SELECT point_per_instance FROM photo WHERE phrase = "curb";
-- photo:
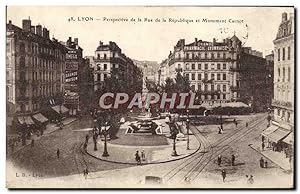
(286, 170)
(135, 164)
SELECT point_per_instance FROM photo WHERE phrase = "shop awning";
(59, 108)
(278, 134)
(269, 130)
(41, 118)
(28, 120)
(21, 120)
(289, 139)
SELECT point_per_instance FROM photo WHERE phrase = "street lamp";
(105, 153)
(188, 131)
(174, 134)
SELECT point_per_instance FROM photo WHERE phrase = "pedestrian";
(223, 175)
(87, 138)
(263, 146)
(219, 160)
(266, 164)
(57, 153)
(220, 130)
(32, 143)
(84, 174)
(137, 157)
(251, 180)
(246, 124)
(143, 155)
(232, 159)
(85, 147)
(261, 162)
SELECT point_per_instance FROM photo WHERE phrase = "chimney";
(38, 30)
(196, 41)
(44, 32)
(284, 16)
(32, 29)
(76, 41)
(9, 24)
(214, 40)
(26, 24)
(100, 43)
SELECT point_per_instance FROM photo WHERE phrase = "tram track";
(194, 165)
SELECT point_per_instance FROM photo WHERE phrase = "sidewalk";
(50, 128)
(277, 158)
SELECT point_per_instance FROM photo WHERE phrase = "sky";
(153, 41)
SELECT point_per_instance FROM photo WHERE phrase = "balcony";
(282, 104)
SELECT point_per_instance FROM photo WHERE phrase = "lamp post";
(105, 153)
(174, 134)
(188, 131)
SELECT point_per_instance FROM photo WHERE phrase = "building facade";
(280, 133)
(217, 71)
(109, 60)
(35, 67)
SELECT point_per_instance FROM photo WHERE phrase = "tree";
(182, 84)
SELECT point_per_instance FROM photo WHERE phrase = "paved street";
(200, 169)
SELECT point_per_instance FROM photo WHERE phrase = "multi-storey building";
(109, 60)
(219, 71)
(74, 65)
(35, 67)
(280, 133)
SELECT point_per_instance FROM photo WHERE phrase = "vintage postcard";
(150, 97)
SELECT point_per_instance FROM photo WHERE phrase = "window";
(199, 76)
(98, 56)
(98, 68)
(193, 87)
(199, 65)
(187, 76)
(98, 77)
(212, 55)
(186, 55)
(206, 76)
(193, 76)
(283, 54)
(283, 74)
(278, 74)
(22, 48)
(289, 53)
(289, 74)
(193, 66)
(224, 88)
(104, 56)
(105, 76)
(218, 87)
(205, 55)
(218, 66)
(213, 76)
(114, 54)
(218, 76)
(212, 87)
(278, 53)
(224, 76)
(193, 56)
(205, 66)
(224, 96)
(218, 55)
(205, 87)
(224, 56)
(199, 86)
(224, 66)
(105, 66)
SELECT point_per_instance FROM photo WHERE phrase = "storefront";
(41, 122)
(273, 137)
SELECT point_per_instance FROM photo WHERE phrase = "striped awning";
(278, 135)
(39, 117)
(289, 139)
(269, 130)
(25, 120)
(59, 108)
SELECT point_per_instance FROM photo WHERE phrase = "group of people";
(263, 163)
(219, 160)
(139, 158)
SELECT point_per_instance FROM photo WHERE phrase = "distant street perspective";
(214, 113)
